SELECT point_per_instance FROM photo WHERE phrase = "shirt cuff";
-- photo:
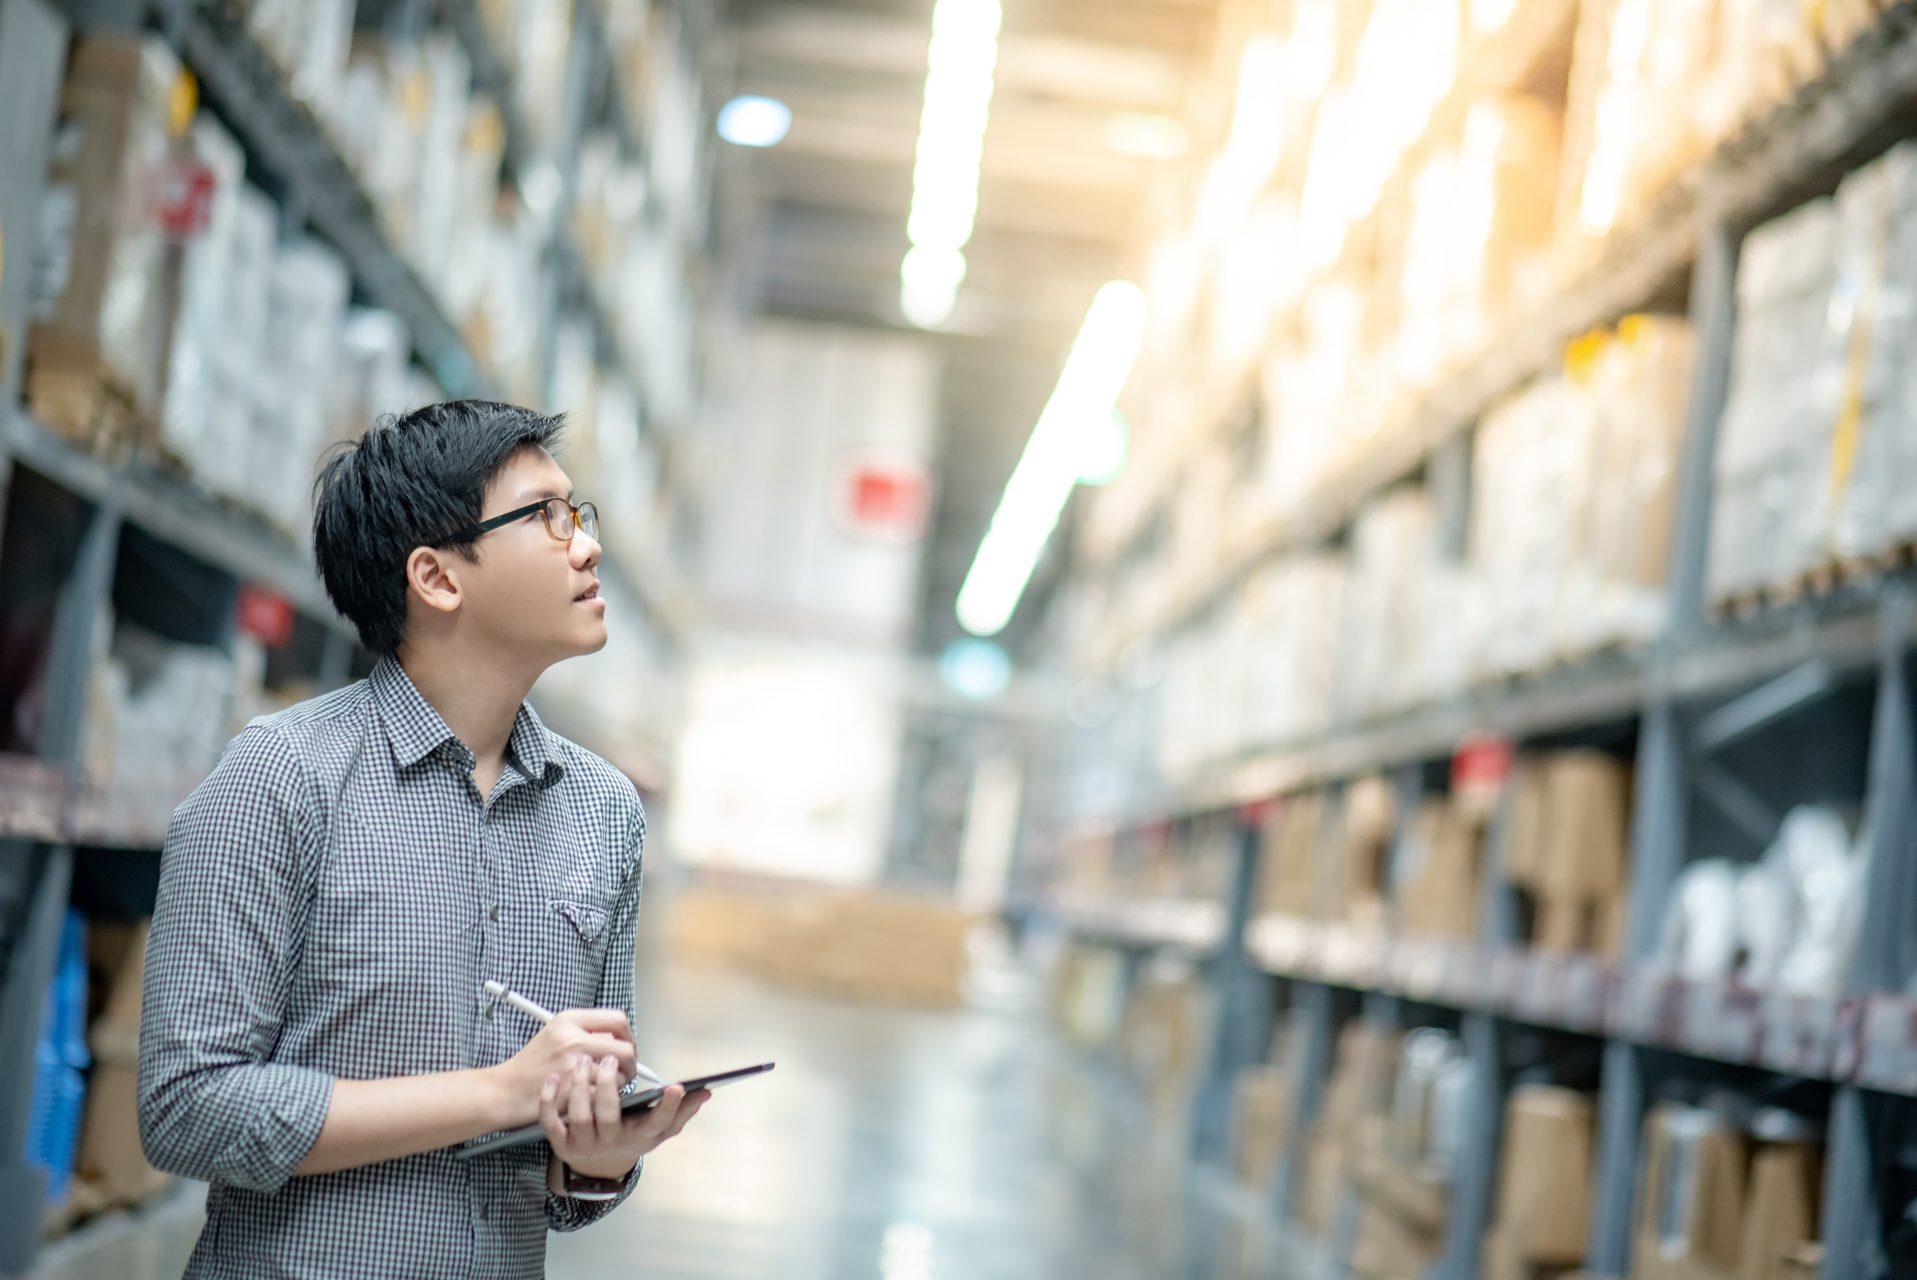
(295, 1101)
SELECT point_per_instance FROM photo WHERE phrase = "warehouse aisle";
(891, 1144)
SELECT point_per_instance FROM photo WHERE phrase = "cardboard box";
(1690, 1197)
(1264, 1114)
(1370, 820)
(1438, 895)
(116, 963)
(864, 945)
(1327, 1166)
(111, 1161)
(1289, 862)
(1588, 798)
(1388, 1247)
(100, 303)
(1780, 1214)
(1545, 1176)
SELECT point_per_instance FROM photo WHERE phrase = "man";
(314, 1039)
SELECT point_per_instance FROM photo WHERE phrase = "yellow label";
(1634, 330)
(183, 103)
(1581, 355)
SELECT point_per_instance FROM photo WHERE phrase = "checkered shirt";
(331, 899)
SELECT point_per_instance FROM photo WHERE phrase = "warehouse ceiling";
(815, 227)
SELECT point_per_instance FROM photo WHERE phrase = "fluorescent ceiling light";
(751, 121)
(1056, 456)
(958, 100)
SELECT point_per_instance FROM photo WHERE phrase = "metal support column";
(27, 973)
(1241, 1016)
(33, 42)
(1852, 1216)
(1312, 1028)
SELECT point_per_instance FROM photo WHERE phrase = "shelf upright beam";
(1859, 1131)
(1311, 1024)
(1475, 1179)
(1241, 1007)
(48, 873)
(1659, 819)
(33, 41)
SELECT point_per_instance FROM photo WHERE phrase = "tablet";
(638, 1100)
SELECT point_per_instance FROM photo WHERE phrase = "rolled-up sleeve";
(212, 1104)
(564, 1213)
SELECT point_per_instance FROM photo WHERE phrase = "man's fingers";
(606, 1046)
(549, 1115)
(610, 1021)
(690, 1109)
(605, 1097)
(579, 1105)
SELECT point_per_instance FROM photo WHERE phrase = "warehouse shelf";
(252, 97)
(1812, 1036)
(1797, 148)
(175, 511)
(1188, 924)
(1607, 687)
(1488, 64)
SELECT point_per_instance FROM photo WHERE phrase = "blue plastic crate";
(65, 1026)
(53, 1127)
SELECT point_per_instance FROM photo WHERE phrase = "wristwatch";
(580, 1187)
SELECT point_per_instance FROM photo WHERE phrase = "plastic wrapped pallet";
(1873, 468)
(305, 319)
(441, 157)
(1480, 221)
(194, 382)
(1387, 607)
(99, 303)
(1786, 393)
(228, 444)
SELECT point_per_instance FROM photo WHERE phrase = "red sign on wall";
(884, 499)
(265, 615)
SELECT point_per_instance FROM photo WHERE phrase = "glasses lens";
(589, 520)
(559, 519)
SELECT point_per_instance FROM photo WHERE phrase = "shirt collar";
(416, 729)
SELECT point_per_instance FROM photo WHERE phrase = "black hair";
(418, 480)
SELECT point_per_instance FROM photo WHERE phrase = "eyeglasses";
(561, 518)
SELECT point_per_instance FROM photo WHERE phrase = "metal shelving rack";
(1700, 689)
(46, 828)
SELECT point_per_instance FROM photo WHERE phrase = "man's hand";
(572, 1037)
(579, 1111)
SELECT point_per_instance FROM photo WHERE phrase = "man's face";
(531, 594)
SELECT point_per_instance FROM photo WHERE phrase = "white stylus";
(500, 991)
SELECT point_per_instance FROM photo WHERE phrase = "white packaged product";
(1700, 935)
(194, 377)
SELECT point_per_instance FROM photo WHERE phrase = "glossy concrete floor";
(889, 1144)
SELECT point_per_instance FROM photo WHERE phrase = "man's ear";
(432, 575)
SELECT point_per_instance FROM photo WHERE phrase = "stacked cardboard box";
(1404, 1157)
(864, 945)
(1362, 857)
(1263, 1117)
(1357, 1091)
(1572, 502)
(1439, 877)
(1568, 848)
(1542, 1222)
(112, 1168)
(1815, 456)
(1291, 861)
(97, 350)
(1161, 1039)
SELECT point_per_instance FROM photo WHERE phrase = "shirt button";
(485, 1212)
(492, 911)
